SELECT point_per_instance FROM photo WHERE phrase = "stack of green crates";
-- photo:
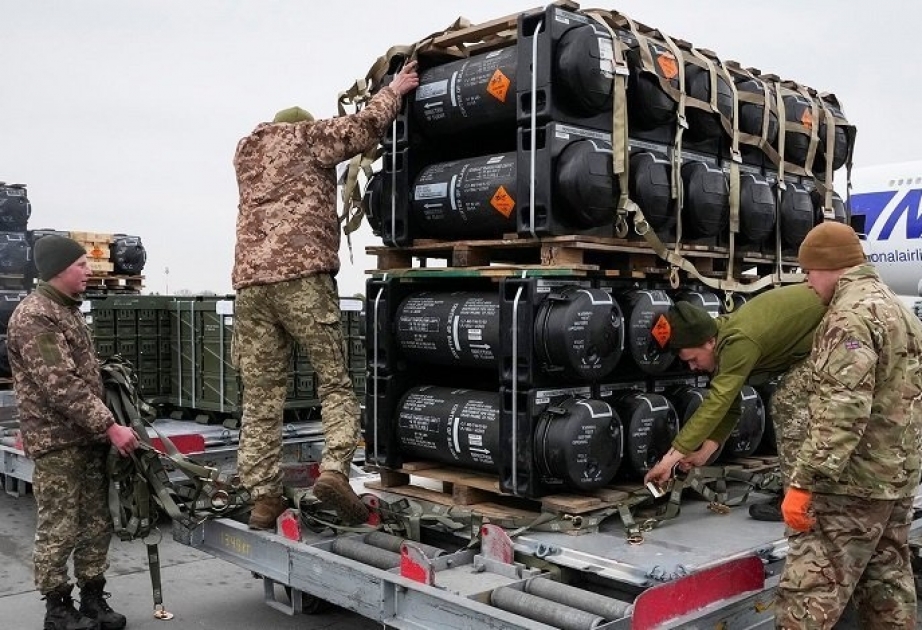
(137, 328)
(181, 350)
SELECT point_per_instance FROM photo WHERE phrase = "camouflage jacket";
(866, 406)
(287, 226)
(55, 374)
(765, 337)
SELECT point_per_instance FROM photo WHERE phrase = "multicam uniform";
(286, 257)
(64, 420)
(770, 334)
(861, 462)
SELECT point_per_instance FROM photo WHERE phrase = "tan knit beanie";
(830, 245)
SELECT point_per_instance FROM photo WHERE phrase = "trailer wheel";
(310, 605)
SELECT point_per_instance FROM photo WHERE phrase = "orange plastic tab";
(502, 202)
(807, 119)
(668, 65)
(661, 331)
(499, 85)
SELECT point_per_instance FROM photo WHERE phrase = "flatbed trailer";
(700, 570)
(213, 445)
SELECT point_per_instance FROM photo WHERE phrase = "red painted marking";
(414, 565)
(671, 600)
(185, 444)
(289, 526)
(496, 544)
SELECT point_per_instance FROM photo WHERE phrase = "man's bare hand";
(700, 457)
(123, 438)
(406, 80)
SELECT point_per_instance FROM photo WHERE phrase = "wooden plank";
(422, 465)
(391, 478)
(466, 495)
(575, 504)
(99, 267)
(493, 271)
(415, 492)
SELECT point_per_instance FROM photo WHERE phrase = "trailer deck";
(701, 569)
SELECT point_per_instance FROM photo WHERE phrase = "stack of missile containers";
(560, 378)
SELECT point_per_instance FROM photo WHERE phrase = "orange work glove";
(794, 509)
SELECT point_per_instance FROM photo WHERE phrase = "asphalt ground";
(202, 592)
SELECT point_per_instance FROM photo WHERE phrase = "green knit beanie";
(690, 326)
(54, 253)
(293, 115)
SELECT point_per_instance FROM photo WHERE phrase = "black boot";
(60, 613)
(768, 511)
(93, 604)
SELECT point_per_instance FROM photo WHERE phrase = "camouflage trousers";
(71, 494)
(857, 549)
(268, 320)
(790, 415)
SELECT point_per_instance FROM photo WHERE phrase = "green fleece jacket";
(765, 337)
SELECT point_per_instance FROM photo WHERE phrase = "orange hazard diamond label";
(498, 85)
(806, 119)
(661, 331)
(668, 65)
(502, 202)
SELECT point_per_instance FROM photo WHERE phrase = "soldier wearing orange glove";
(849, 503)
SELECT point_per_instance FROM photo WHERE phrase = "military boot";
(332, 488)
(266, 511)
(768, 511)
(60, 613)
(93, 604)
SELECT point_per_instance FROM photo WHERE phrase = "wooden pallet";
(756, 463)
(578, 254)
(472, 488)
(115, 284)
(6, 383)
(96, 245)
(100, 267)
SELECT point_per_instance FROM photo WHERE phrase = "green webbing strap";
(715, 483)
(782, 185)
(153, 564)
(620, 147)
(680, 262)
(359, 94)
(130, 505)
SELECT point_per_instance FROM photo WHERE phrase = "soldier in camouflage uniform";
(849, 506)
(769, 335)
(286, 259)
(66, 430)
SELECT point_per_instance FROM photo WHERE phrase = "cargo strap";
(361, 92)
(722, 486)
(620, 147)
(139, 484)
(611, 20)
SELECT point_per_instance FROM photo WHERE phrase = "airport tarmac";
(202, 592)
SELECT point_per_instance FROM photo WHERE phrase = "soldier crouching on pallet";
(285, 263)
(769, 335)
(66, 430)
(849, 504)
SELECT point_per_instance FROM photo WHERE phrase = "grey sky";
(122, 116)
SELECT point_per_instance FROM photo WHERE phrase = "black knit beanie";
(53, 254)
(690, 326)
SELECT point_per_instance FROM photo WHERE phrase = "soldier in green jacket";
(849, 504)
(769, 335)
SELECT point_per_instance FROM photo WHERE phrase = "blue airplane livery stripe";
(872, 205)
